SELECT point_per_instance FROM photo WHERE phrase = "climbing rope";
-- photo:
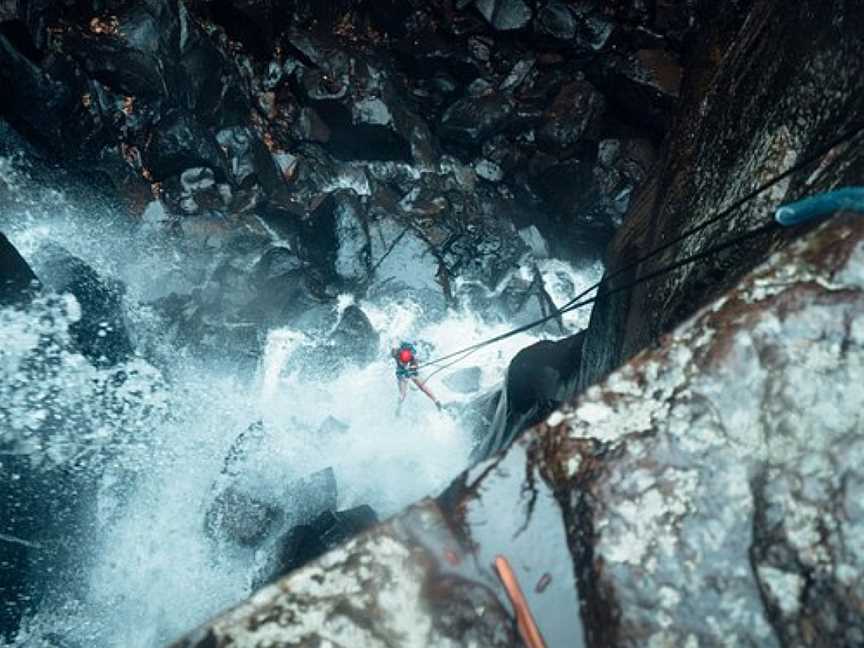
(838, 200)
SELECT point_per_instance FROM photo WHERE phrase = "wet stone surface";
(404, 583)
(710, 487)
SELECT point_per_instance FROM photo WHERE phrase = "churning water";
(143, 571)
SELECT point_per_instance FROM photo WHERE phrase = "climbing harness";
(787, 216)
(405, 355)
(528, 629)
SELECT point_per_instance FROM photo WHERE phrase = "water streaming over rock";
(143, 444)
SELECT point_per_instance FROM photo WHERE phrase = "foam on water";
(150, 573)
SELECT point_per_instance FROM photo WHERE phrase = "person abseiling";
(406, 369)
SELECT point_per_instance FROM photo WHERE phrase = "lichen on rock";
(716, 506)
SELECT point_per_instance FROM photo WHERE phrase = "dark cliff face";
(756, 100)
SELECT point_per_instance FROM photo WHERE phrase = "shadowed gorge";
(220, 220)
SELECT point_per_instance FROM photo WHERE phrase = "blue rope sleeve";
(824, 204)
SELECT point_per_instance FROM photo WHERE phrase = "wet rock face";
(505, 15)
(100, 333)
(736, 134)
(539, 378)
(354, 338)
(710, 487)
(397, 574)
(17, 280)
(306, 542)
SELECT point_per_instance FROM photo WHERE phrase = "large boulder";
(539, 378)
(575, 114)
(403, 260)
(646, 84)
(247, 518)
(308, 541)
(473, 119)
(583, 26)
(353, 259)
(210, 85)
(47, 101)
(712, 485)
(249, 161)
(100, 333)
(372, 121)
(355, 339)
(129, 51)
(240, 517)
(401, 574)
(181, 142)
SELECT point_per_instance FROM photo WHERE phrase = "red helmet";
(405, 356)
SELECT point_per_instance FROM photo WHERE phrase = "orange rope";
(524, 619)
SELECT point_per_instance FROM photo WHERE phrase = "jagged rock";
(373, 121)
(249, 161)
(240, 517)
(47, 102)
(480, 49)
(179, 143)
(305, 499)
(464, 381)
(488, 170)
(473, 119)
(505, 15)
(249, 519)
(129, 50)
(621, 167)
(720, 458)
(535, 241)
(518, 75)
(276, 262)
(311, 127)
(539, 378)
(101, 332)
(353, 260)
(574, 115)
(555, 18)
(200, 192)
(405, 560)
(569, 188)
(307, 542)
(525, 299)
(17, 280)
(355, 339)
(212, 89)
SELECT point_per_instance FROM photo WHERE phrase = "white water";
(149, 573)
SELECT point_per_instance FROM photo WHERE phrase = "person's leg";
(427, 391)
(403, 390)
